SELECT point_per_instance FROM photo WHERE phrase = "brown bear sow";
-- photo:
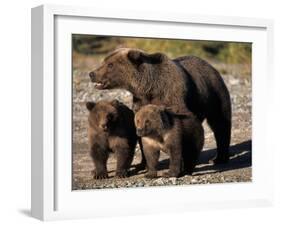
(111, 129)
(180, 136)
(186, 83)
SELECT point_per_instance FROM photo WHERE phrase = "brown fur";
(181, 136)
(111, 129)
(183, 84)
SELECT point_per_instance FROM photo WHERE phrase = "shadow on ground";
(240, 157)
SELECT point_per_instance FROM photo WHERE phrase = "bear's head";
(103, 114)
(124, 68)
(152, 120)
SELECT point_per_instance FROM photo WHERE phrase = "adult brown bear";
(184, 83)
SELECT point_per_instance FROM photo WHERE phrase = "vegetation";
(230, 53)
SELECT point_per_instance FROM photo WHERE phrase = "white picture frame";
(52, 197)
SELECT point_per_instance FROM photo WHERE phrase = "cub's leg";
(173, 146)
(124, 160)
(175, 153)
(99, 155)
(142, 164)
(137, 103)
(190, 158)
(152, 156)
(124, 155)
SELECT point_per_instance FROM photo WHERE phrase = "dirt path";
(237, 170)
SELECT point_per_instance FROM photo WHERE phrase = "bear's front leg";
(99, 156)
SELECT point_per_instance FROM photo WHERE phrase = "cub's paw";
(151, 174)
(99, 175)
(122, 174)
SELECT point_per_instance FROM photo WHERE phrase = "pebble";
(193, 180)
(140, 184)
(173, 180)
(159, 181)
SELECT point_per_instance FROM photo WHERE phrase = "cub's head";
(123, 67)
(103, 114)
(152, 120)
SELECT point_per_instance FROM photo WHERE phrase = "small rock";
(159, 181)
(193, 180)
(140, 184)
(173, 180)
(234, 81)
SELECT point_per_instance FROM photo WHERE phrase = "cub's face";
(149, 120)
(103, 114)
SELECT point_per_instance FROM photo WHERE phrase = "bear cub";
(181, 136)
(111, 129)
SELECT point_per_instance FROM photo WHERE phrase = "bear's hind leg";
(221, 127)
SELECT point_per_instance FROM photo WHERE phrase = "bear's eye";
(110, 65)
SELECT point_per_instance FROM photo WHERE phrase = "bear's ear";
(135, 57)
(155, 58)
(90, 105)
(138, 57)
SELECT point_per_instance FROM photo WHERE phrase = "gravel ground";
(237, 170)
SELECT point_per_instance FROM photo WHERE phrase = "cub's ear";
(166, 117)
(90, 105)
(138, 57)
